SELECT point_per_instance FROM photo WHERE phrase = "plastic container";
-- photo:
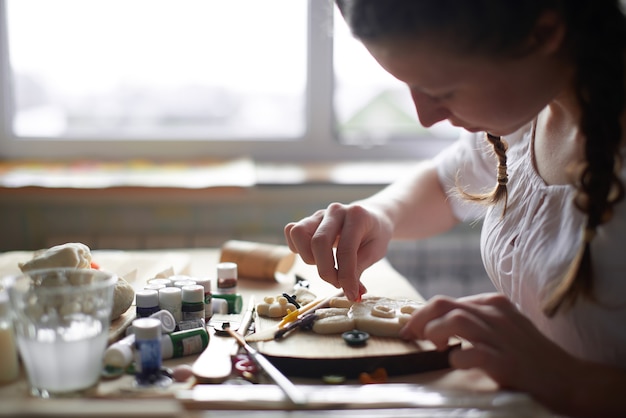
(219, 306)
(227, 287)
(192, 307)
(121, 353)
(168, 323)
(227, 278)
(147, 350)
(184, 343)
(154, 286)
(180, 281)
(160, 280)
(170, 299)
(234, 301)
(147, 302)
(205, 282)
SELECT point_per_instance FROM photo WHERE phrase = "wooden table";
(439, 393)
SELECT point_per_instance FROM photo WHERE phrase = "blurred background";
(123, 121)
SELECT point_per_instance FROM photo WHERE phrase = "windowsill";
(201, 175)
(367, 173)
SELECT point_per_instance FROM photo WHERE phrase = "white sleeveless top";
(537, 239)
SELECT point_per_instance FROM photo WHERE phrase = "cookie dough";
(333, 324)
(382, 317)
(72, 254)
(275, 307)
(123, 295)
(78, 255)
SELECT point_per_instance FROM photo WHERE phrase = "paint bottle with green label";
(227, 287)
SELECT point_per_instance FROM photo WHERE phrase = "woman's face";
(473, 92)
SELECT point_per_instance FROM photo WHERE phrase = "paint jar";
(120, 354)
(205, 282)
(9, 365)
(160, 280)
(180, 281)
(168, 323)
(154, 286)
(227, 278)
(184, 343)
(227, 287)
(147, 302)
(170, 299)
(192, 307)
(219, 306)
(148, 353)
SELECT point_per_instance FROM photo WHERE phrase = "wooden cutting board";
(307, 354)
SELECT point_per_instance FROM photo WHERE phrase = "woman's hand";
(504, 343)
(414, 206)
(360, 236)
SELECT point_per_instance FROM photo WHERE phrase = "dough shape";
(381, 317)
(275, 307)
(333, 324)
(78, 255)
(123, 295)
(72, 254)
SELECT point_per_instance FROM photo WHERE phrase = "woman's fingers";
(477, 355)
(458, 322)
(435, 308)
(360, 239)
(324, 239)
(356, 250)
(479, 319)
(505, 344)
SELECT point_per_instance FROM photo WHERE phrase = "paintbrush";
(295, 395)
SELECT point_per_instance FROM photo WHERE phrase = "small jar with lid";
(170, 299)
(227, 287)
(154, 286)
(181, 280)
(227, 278)
(147, 302)
(148, 359)
(205, 282)
(192, 307)
(160, 280)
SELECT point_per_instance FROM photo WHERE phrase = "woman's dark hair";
(595, 40)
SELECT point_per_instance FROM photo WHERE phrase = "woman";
(539, 87)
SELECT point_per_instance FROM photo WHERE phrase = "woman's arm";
(416, 205)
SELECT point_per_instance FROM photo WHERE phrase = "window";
(197, 78)
(371, 106)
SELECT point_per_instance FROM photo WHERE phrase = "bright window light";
(371, 106)
(275, 80)
(145, 69)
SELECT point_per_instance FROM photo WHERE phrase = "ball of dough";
(123, 295)
(275, 307)
(72, 254)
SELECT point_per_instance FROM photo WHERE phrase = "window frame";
(320, 141)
